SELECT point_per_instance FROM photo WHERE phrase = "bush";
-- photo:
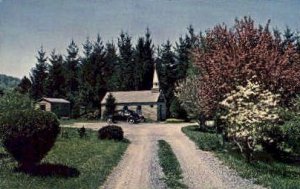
(29, 135)
(177, 110)
(111, 132)
(93, 115)
(82, 132)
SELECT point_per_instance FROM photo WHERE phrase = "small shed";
(59, 106)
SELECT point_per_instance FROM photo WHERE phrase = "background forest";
(121, 66)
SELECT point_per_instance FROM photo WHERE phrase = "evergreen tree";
(101, 71)
(182, 51)
(39, 76)
(56, 83)
(146, 56)
(86, 93)
(126, 62)
(24, 86)
(139, 64)
(94, 74)
(72, 68)
(87, 48)
(111, 58)
(166, 69)
(110, 106)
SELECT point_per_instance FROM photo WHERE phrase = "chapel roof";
(133, 96)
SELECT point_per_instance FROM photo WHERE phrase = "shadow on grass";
(51, 170)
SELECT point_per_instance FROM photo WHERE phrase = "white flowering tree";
(249, 110)
(187, 94)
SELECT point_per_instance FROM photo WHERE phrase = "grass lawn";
(170, 165)
(273, 174)
(82, 163)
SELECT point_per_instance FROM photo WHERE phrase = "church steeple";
(155, 85)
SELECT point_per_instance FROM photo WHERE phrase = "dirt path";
(139, 168)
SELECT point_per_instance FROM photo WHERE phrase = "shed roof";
(55, 100)
(133, 96)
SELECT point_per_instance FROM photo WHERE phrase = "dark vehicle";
(126, 115)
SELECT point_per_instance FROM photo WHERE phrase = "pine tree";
(126, 61)
(56, 82)
(139, 54)
(72, 70)
(87, 48)
(111, 58)
(148, 62)
(24, 86)
(182, 51)
(166, 69)
(39, 76)
(101, 71)
(86, 92)
(72, 67)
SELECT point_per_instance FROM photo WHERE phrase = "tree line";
(123, 66)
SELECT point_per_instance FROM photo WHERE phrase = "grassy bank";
(72, 163)
(170, 165)
(272, 174)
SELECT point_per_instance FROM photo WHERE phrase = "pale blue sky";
(26, 24)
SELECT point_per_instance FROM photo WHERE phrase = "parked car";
(126, 115)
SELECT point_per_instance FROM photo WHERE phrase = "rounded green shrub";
(28, 135)
(111, 132)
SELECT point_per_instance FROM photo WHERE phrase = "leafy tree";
(188, 96)
(233, 56)
(56, 82)
(39, 76)
(24, 86)
(12, 101)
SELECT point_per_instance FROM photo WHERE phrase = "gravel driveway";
(139, 168)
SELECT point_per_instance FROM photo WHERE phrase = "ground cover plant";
(72, 163)
(265, 171)
(170, 165)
